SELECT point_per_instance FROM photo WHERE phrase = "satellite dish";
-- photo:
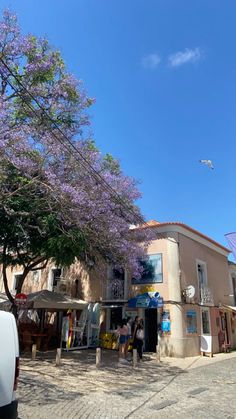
(190, 291)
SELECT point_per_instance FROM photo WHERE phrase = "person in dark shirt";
(138, 337)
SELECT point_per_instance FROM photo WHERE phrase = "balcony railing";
(114, 289)
(61, 285)
(206, 297)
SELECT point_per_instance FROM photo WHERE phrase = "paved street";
(194, 388)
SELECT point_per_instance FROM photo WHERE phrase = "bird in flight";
(208, 163)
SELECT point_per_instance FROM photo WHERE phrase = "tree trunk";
(7, 291)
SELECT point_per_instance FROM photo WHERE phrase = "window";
(118, 274)
(35, 276)
(191, 321)
(202, 278)
(55, 275)
(205, 322)
(234, 289)
(152, 270)
(115, 289)
(17, 278)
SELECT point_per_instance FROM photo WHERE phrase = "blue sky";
(163, 73)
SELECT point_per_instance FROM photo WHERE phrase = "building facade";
(185, 292)
(190, 273)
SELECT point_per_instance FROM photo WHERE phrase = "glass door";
(206, 338)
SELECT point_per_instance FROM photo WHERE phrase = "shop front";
(149, 306)
(111, 317)
(51, 320)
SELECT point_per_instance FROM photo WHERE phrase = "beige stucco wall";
(80, 282)
(217, 268)
(183, 253)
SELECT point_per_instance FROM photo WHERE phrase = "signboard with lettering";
(142, 301)
(20, 300)
(147, 300)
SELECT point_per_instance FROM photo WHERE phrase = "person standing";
(129, 336)
(139, 338)
(123, 336)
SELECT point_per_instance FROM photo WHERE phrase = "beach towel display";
(72, 332)
(65, 330)
(80, 329)
(95, 325)
(70, 329)
(88, 326)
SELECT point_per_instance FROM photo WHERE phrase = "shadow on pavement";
(42, 382)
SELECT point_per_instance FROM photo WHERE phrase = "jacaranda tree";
(59, 197)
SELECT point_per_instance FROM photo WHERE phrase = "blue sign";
(160, 302)
(147, 300)
(142, 301)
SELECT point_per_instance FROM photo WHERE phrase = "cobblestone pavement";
(193, 387)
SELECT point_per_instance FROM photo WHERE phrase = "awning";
(230, 308)
(49, 300)
(146, 300)
(3, 297)
(52, 300)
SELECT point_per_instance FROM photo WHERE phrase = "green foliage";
(111, 164)
(30, 227)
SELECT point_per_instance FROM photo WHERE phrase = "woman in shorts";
(123, 336)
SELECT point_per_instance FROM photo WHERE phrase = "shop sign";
(160, 302)
(20, 300)
(147, 300)
(142, 302)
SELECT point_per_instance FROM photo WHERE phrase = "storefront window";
(191, 321)
(116, 317)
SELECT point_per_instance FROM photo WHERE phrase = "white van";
(9, 365)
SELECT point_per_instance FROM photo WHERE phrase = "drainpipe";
(174, 286)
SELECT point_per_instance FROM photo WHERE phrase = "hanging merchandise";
(80, 329)
(70, 331)
(64, 331)
(88, 325)
(95, 325)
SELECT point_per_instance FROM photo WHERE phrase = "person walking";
(129, 336)
(139, 338)
(122, 331)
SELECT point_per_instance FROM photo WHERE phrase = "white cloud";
(151, 61)
(184, 57)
